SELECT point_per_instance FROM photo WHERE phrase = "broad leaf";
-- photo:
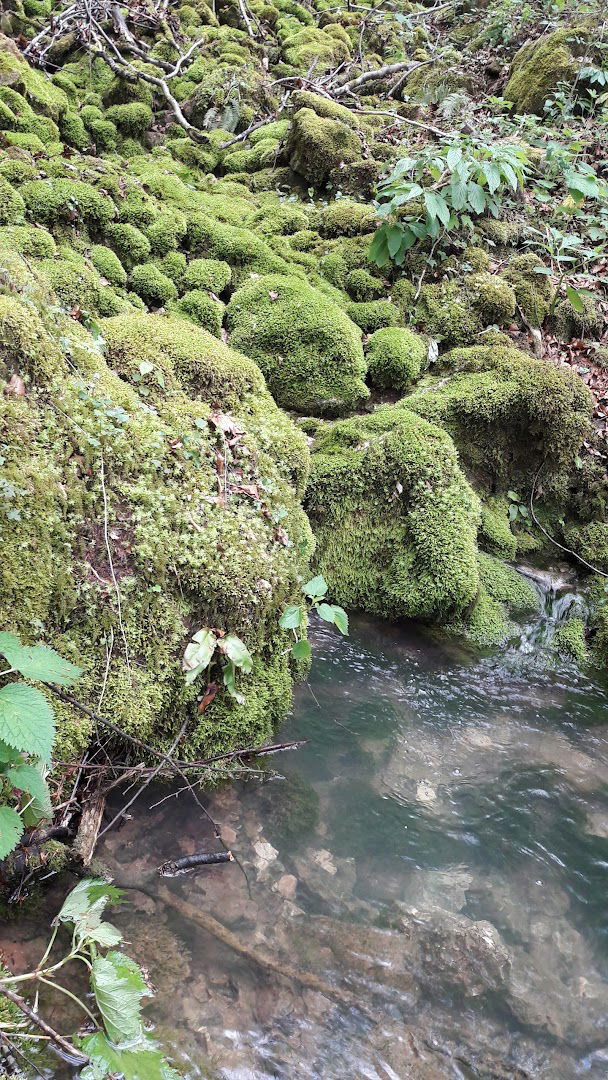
(291, 617)
(106, 935)
(229, 677)
(394, 236)
(575, 298)
(436, 206)
(301, 650)
(198, 654)
(237, 651)
(341, 620)
(476, 197)
(118, 985)
(29, 779)
(316, 588)
(11, 827)
(143, 1062)
(378, 250)
(85, 905)
(26, 720)
(326, 611)
(39, 662)
(8, 754)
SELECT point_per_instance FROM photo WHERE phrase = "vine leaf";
(26, 720)
(118, 985)
(11, 827)
(301, 650)
(38, 661)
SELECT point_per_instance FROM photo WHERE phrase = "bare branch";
(77, 1055)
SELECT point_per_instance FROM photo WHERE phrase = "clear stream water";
(438, 851)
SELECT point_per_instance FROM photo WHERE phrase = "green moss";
(27, 348)
(446, 314)
(49, 202)
(129, 243)
(173, 264)
(316, 145)
(24, 141)
(492, 297)
(362, 286)
(12, 207)
(279, 217)
(238, 247)
(74, 283)
(346, 218)
(38, 90)
(28, 240)
(590, 541)
(477, 258)
(132, 119)
(570, 640)
(506, 411)
(203, 310)
(166, 232)
(73, 131)
(394, 517)
(538, 68)
(328, 47)
(212, 274)
(487, 624)
(108, 265)
(395, 357)
(505, 585)
(495, 534)
(325, 107)
(16, 171)
(569, 323)
(532, 290)
(374, 314)
(501, 233)
(154, 287)
(308, 349)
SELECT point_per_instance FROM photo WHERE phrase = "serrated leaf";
(143, 1062)
(8, 754)
(29, 779)
(378, 250)
(39, 662)
(118, 985)
(436, 206)
(301, 650)
(84, 906)
(454, 156)
(341, 620)
(8, 641)
(237, 651)
(11, 827)
(326, 612)
(106, 935)
(476, 197)
(316, 588)
(26, 720)
(291, 617)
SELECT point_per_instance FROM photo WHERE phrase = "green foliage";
(441, 191)
(295, 616)
(228, 650)
(27, 730)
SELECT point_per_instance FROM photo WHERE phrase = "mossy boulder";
(395, 357)
(532, 286)
(394, 517)
(538, 68)
(308, 349)
(316, 145)
(570, 640)
(569, 323)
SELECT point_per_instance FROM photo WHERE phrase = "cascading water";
(559, 599)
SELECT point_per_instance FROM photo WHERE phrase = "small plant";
(212, 646)
(120, 1046)
(448, 186)
(27, 730)
(518, 511)
(294, 616)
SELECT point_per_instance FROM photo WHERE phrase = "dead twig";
(77, 1056)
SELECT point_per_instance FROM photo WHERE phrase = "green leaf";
(492, 174)
(237, 651)
(394, 236)
(301, 650)
(436, 207)
(476, 197)
(146, 367)
(29, 779)
(316, 588)
(291, 617)
(38, 662)
(341, 620)
(198, 654)
(118, 985)
(458, 194)
(326, 611)
(513, 496)
(513, 512)
(454, 157)
(11, 827)
(142, 1062)
(26, 720)
(378, 249)
(575, 298)
(8, 754)
(105, 935)
(229, 677)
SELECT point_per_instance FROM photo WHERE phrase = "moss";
(325, 107)
(212, 274)
(29, 241)
(27, 348)
(44, 96)
(487, 624)
(346, 218)
(292, 812)
(74, 283)
(73, 131)
(506, 411)
(173, 264)
(279, 217)
(166, 232)
(308, 349)
(12, 207)
(445, 313)
(362, 286)
(315, 145)
(477, 258)
(492, 297)
(374, 314)
(505, 585)
(108, 265)
(203, 310)
(238, 247)
(104, 134)
(538, 68)
(395, 357)
(569, 323)
(154, 287)
(570, 640)
(495, 534)
(394, 517)
(328, 47)
(49, 202)
(132, 119)
(590, 541)
(16, 171)
(129, 243)
(533, 290)
(501, 233)
(137, 209)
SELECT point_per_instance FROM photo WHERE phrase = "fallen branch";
(77, 1057)
(378, 74)
(175, 867)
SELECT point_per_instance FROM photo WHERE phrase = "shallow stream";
(437, 853)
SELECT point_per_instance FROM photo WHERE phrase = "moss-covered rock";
(395, 357)
(316, 145)
(128, 242)
(394, 517)
(203, 310)
(373, 314)
(569, 323)
(212, 274)
(107, 263)
(539, 67)
(154, 287)
(308, 349)
(570, 640)
(533, 290)
(57, 201)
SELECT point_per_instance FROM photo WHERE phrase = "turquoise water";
(436, 854)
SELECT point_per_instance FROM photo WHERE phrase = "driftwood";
(175, 867)
(88, 831)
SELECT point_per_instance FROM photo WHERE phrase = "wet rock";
(265, 856)
(325, 876)
(287, 886)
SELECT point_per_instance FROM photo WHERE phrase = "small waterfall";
(559, 600)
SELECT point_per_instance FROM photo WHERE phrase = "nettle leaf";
(237, 652)
(291, 618)
(26, 720)
(316, 588)
(198, 654)
(119, 986)
(454, 157)
(143, 1062)
(8, 754)
(38, 662)
(29, 779)
(341, 620)
(11, 827)
(85, 905)
(106, 935)
(301, 650)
